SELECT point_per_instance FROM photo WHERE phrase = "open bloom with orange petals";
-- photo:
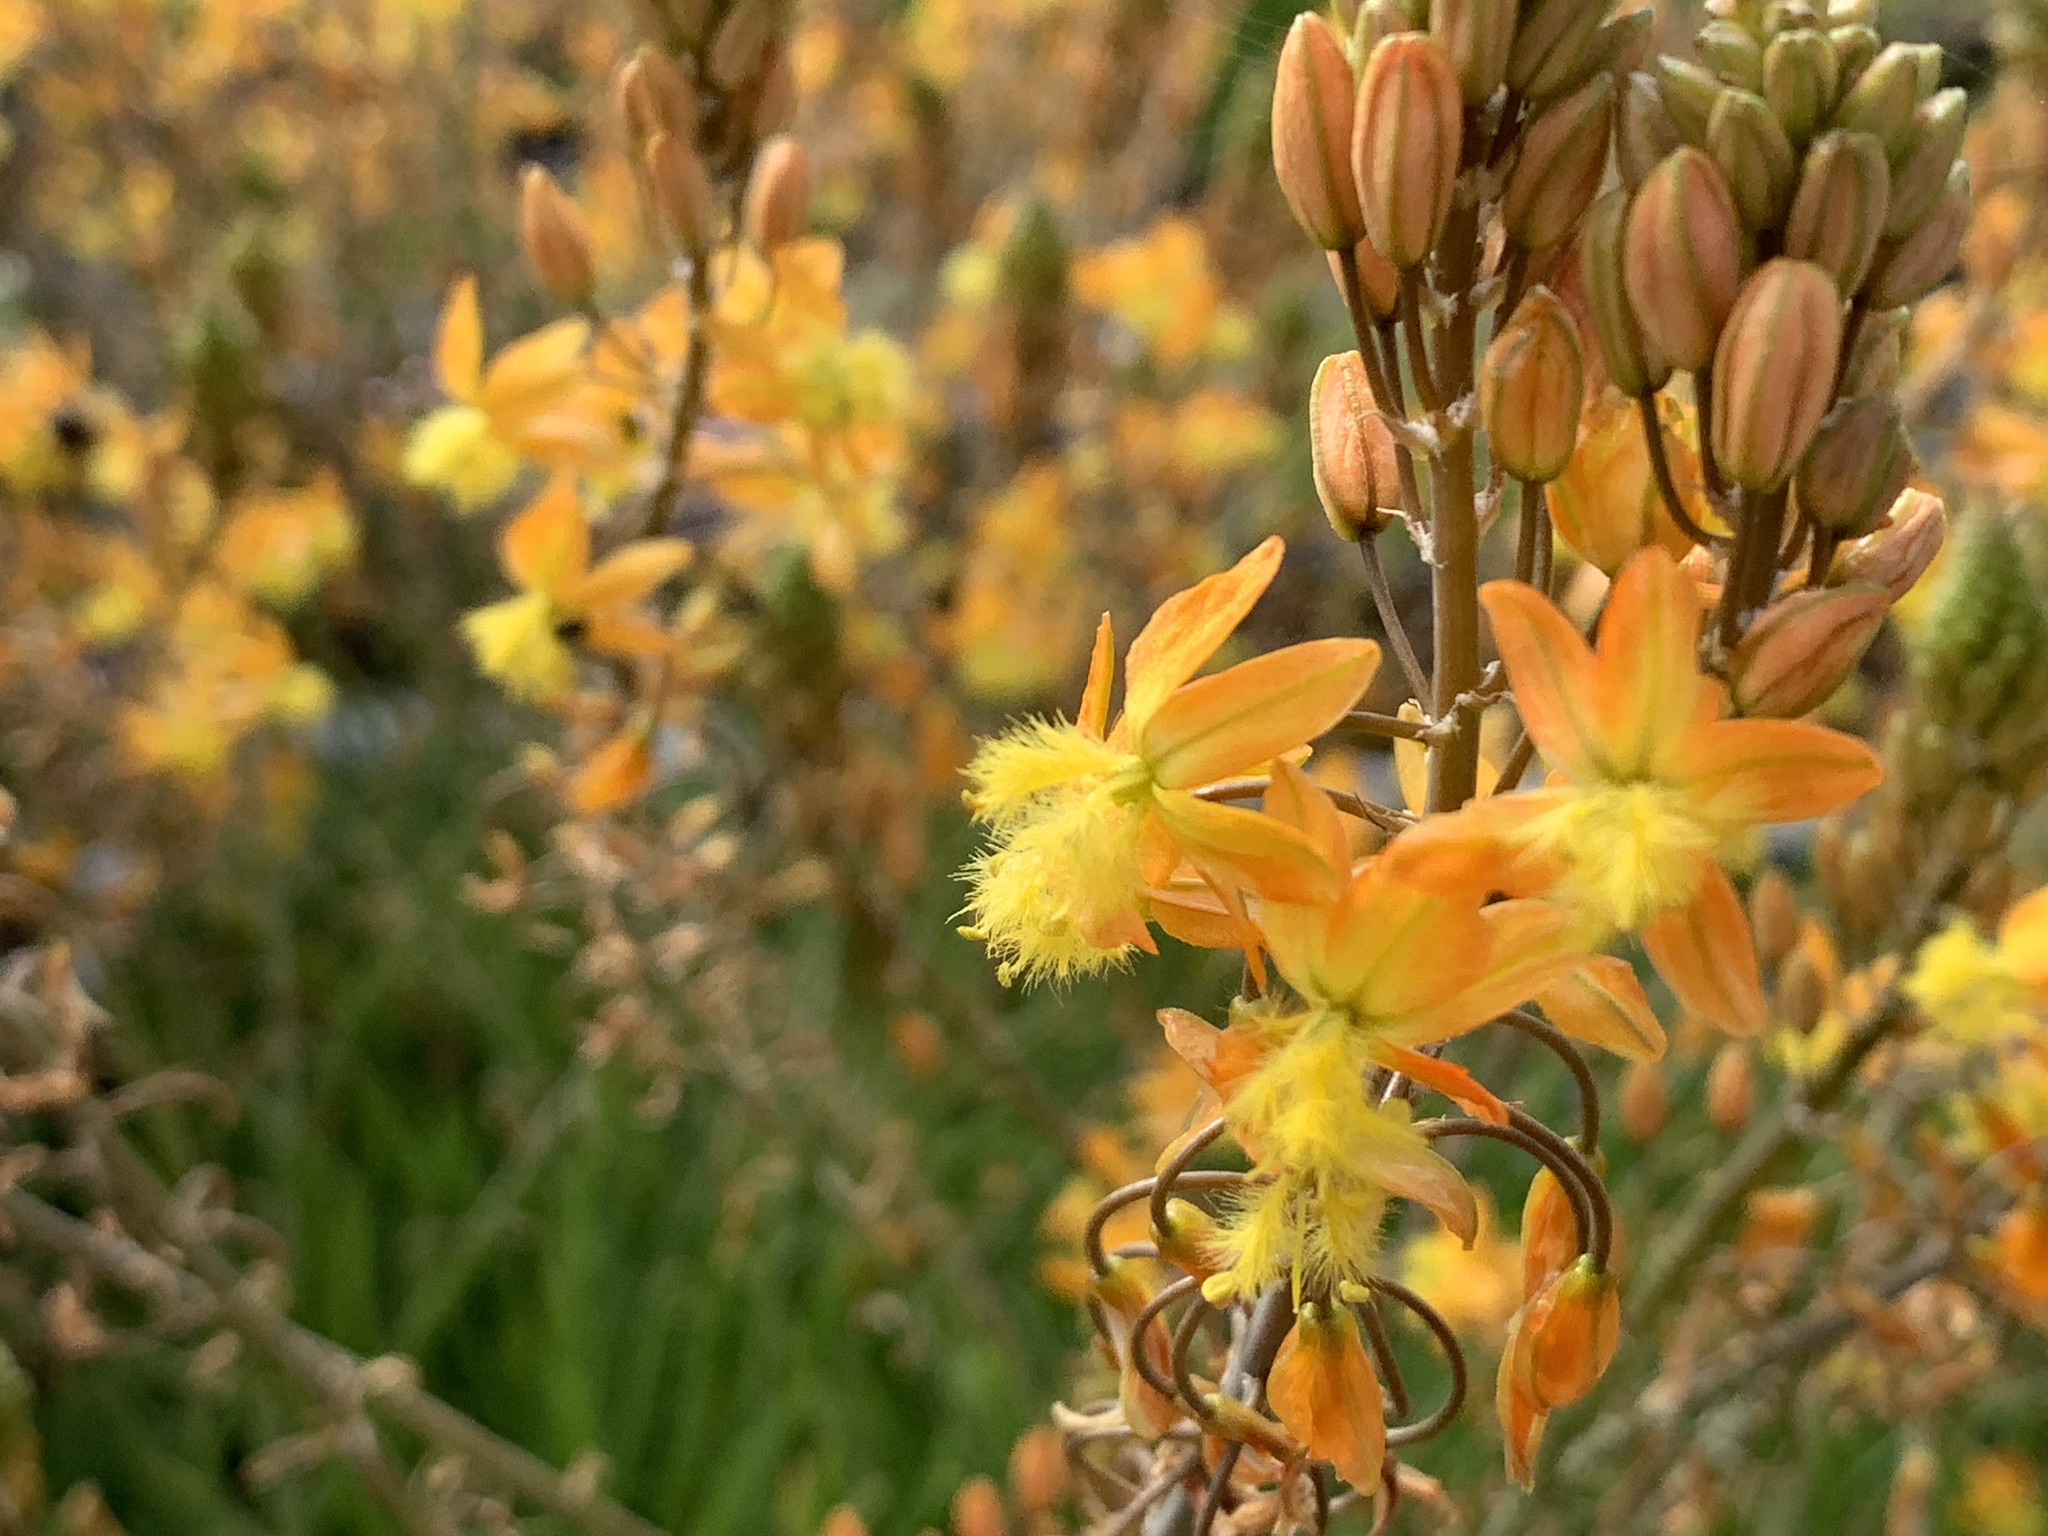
(1085, 817)
(1650, 786)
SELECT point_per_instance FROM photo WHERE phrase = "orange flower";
(1650, 786)
(1323, 1389)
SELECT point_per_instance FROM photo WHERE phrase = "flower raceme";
(1651, 788)
(1085, 817)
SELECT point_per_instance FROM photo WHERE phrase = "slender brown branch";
(1390, 620)
(1660, 469)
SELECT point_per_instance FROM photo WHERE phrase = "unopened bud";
(1550, 1232)
(1883, 99)
(1575, 1324)
(1853, 46)
(555, 238)
(1644, 133)
(1562, 160)
(1803, 647)
(682, 192)
(1774, 372)
(1914, 267)
(1754, 155)
(1312, 103)
(1896, 557)
(778, 194)
(1351, 449)
(1689, 96)
(1549, 41)
(1731, 1089)
(634, 105)
(1643, 1102)
(1777, 1218)
(1800, 80)
(1802, 995)
(1838, 214)
(1619, 47)
(1635, 366)
(1774, 919)
(1530, 385)
(1379, 284)
(1858, 465)
(1377, 19)
(1476, 34)
(740, 45)
(1405, 143)
(1193, 1239)
(1923, 170)
(1878, 359)
(775, 103)
(656, 96)
(1732, 54)
(1683, 258)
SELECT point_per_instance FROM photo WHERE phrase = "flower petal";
(2023, 939)
(1553, 673)
(1300, 802)
(534, 371)
(1703, 952)
(1405, 1165)
(1646, 678)
(1756, 771)
(1222, 1058)
(1446, 1077)
(1527, 945)
(547, 546)
(1244, 850)
(629, 573)
(1093, 716)
(1603, 1003)
(1188, 627)
(1477, 849)
(1322, 1387)
(459, 344)
(1220, 725)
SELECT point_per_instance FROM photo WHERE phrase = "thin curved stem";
(1386, 390)
(1170, 1175)
(1418, 342)
(1168, 1295)
(1383, 1357)
(1183, 1341)
(1660, 469)
(1550, 1036)
(1454, 1356)
(1390, 620)
(1141, 1189)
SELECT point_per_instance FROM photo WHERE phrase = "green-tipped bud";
(1883, 99)
(1619, 47)
(1921, 176)
(1878, 359)
(1786, 15)
(1799, 650)
(1754, 155)
(1774, 372)
(1912, 268)
(1405, 142)
(1732, 54)
(1854, 47)
(1838, 212)
(1635, 366)
(1313, 94)
(1530, 384)
(1683, 259)
(1549, 43)
(1562, 160)
(1193, 1240)
(1381, 18)
(1800, 81)
(1689, 96)
(1351, 450)
(1857, 467)
(1980, 654)
(1477, 35)
(1643, 132)
(1927, 61)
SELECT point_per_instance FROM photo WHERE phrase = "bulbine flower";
(1650, 786)
(1085, 816)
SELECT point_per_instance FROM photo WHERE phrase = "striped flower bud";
(1351, 449)
(740, 46)
(1732, 54)
(1883, 99)
(778, 201)
(662, 95)
(1923, 170)
(1643, 133)
(1683, 257)
(1378, 282)
(1562, 160)
(1619, 47)
(1312, 105)
(1879, 356)
(1912, 268)
(1549, 41)
(682, 192)
(1476, 34)
(1800, 79)
(1530, 385)
(1405, 142)
(1774, 372)
(1853, 46)
(555, 238)
(1803, 647)
(1838, 213)
(1898, 555)
(1754, 155)
(1859, 464)
(1633, 363)
(1689, 96)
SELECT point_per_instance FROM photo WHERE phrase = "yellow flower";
(279, 545)
(1977, 994)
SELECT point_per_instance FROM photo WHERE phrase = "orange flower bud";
(1636, 367)
(1643, 1101)
(1351, 449)
(1192, 1239)
(1689, 94)
(1731, 1089)
(1858, 465)
(1621, 46)
(1038, 1469)
(1312, 105)
(555, 238)
(977, 1509)
(1323, 1389)
(1562, 160)
(1896, 557)
(682, 192)
(1377, 280)
(778, 199)
(1644, 133)
(1732, 54)
(1800, 79)
(1774, 918)
(775, 102)
(1606, 504)
(1774, 372)
(1799, 650)
(656, 97)
(1530, 385)
(1838, 213)
(1550, 1232)
(1879, 356)
(633, 103)
(1477, 35)
(1405, 144)
(1884, 97)
(1550, 44)
(2018, 1250)
(740, 46)
(1923, 173)
(1522, 1418)
(1573, 1325)
(1777, 1218)
(1754, 155)
(1683, 258)
(1916, 266)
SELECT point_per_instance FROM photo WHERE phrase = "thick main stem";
(1454, 572)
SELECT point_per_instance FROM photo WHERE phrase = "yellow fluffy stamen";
(1635, 849)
